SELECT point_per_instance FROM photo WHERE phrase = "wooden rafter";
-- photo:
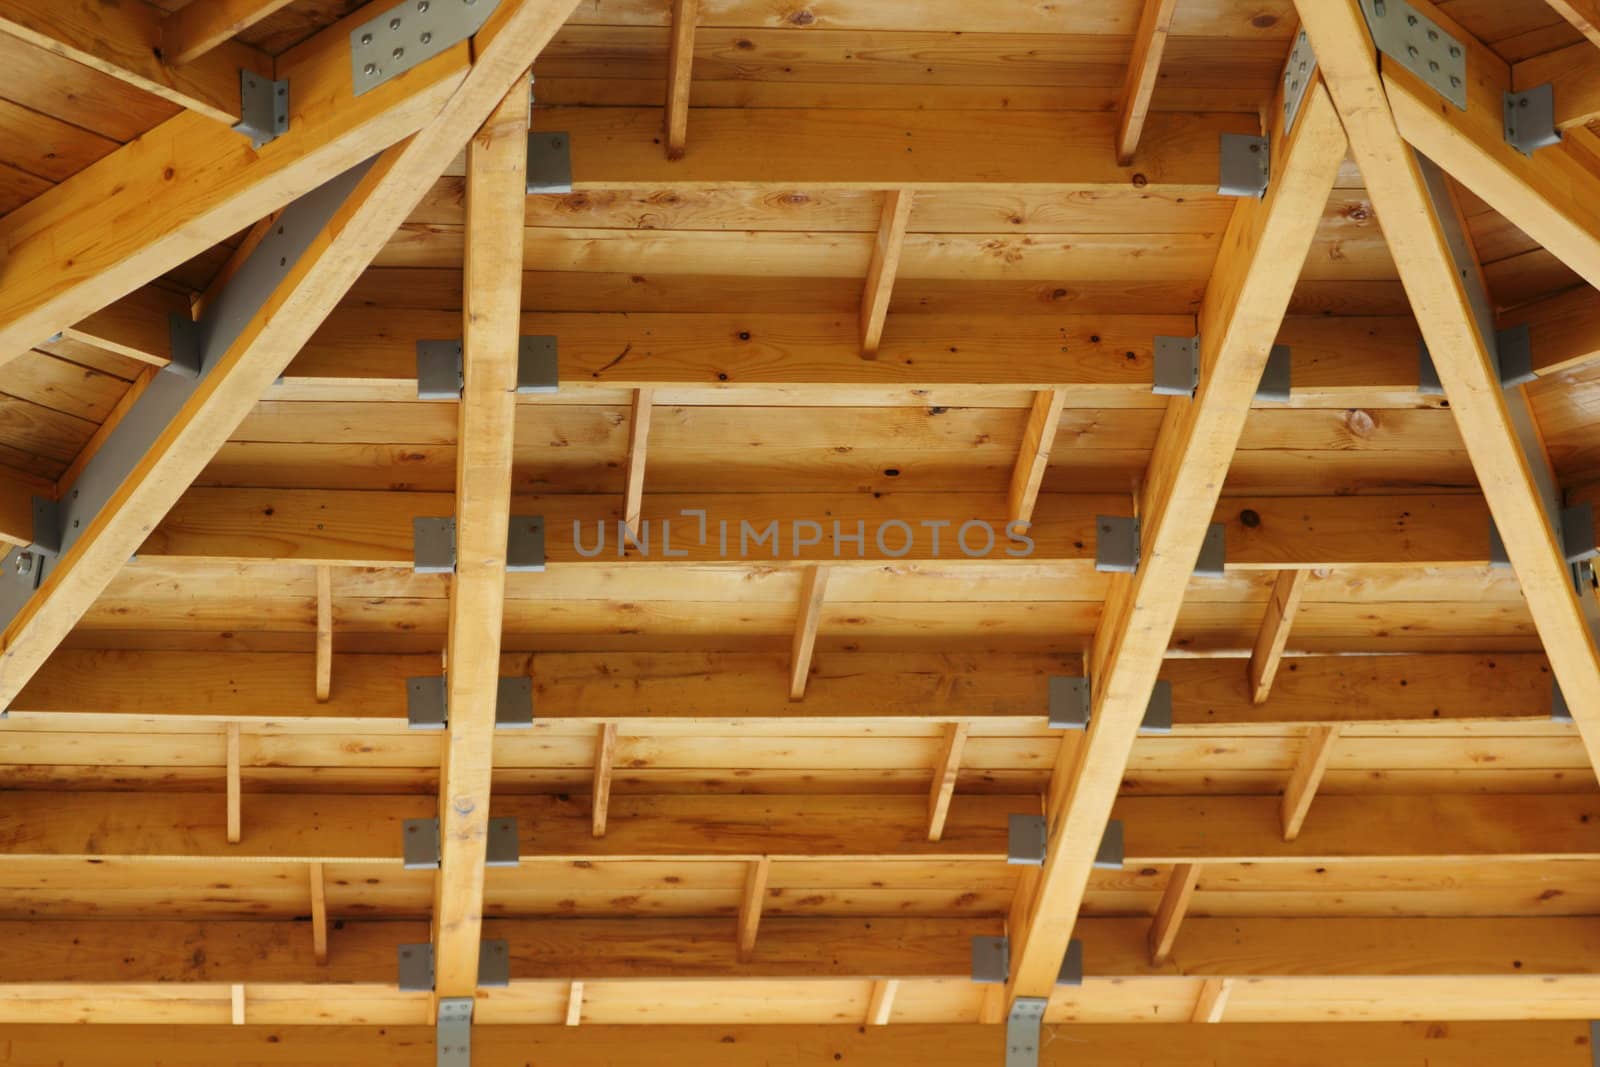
(1309, 766)
(1149, 42)
(497, 158)
(1172, 910)
(196, 29)
(638, 450)
(1244, 306)
(883, 266)
(331, 132)
(813, 590)
(1439, 288)
(1038, 438)
(680, 67)
(1584, 15)
(1273, 637)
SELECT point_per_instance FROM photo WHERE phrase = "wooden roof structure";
(808, 536)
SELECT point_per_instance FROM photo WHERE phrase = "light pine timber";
(496, 186)
(1172, 909)
(945, 774)
(1038, 438)
(1309, 767)
(638, 446)
(1467, 369)
(1242, 313)
(605, 754)
(885, 261)
(680, 67)
(1273, 636)
(1149, 42)
(196, 29)
(324, 680)
(750, 903)
(813, 590)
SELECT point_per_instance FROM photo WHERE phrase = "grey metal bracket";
(1427, 374)
(538, 368)
(1276, 376)
(549, 162)
(1559, 711)
(1530, 119)
(525, 544)
(513, 703)
(1594, 1043)
(415, 967)
(1177, 366)
(1420, 45)
(991, 960)
(1109, 856)
(1072, 965)
(409, 34)
(433, 545)
(439, 369)
(504, 848)
(453, 1032)
(1577, 533)
(427, 703)
(1116, 543)
(187, 339)
(1068, 703)
(225, 319)
(1026, 837)
(494, 964)
(1023, 1028)
(420, 848)
(1497, 547)
(263, 108)
(1213, 559)
(1513, 349)
(1245, 165)
(1298, 74)
(1158, 713)
(46, 525)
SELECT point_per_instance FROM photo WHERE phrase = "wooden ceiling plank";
(125, 41)
(1242, 313)
(309, 290)
(1273, 638)
(1149, 42)
(497, 159)
(324, 676)
(59, 268)
(680, 69)
(881, 269)
(1440, 290)
(199, 28)
(1038, 438)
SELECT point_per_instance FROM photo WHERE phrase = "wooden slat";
(813, 590)
(880, 1009)
(496, 184)
(680, 66)
(1464, 362)
(1037, 440)
(881, 268)
(1173, 908)
(638, 446)
(125, 41)
(1273, 637)
(1244, 306)
(319, 912)
(1213, 1000)
(575, 1004)
(196, 29)
(945, 773)
(1309, 767)
(1149, 42)
(750, 904)
(605, 754)
(235, 799)
(324, 681)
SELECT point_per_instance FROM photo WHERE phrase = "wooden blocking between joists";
(755, 892)
(638, 445)
(319, 913)
(575, 1003)
(1212, 1002)
(945, 774)
(1273, 636)
(605, 755)
(680, 68)
(881, 1005)
(235, 787)
(1038, 438)
(324, 682)
(813, 589)
(881, 270)
(1307, 774)
(236, 996)
(1169, 914)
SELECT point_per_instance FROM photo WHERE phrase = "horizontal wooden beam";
(369, 353)
(1556, 1044)
(619, 148)
(1502, 828)
(640, 691)
(138, 325)
(374, 529)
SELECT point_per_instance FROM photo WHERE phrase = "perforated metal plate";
(453, 1034)
(1022, 1031)
(1298, 73)
(408, 35)
(263, 108)
(1530, 119)
(1420, 45)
